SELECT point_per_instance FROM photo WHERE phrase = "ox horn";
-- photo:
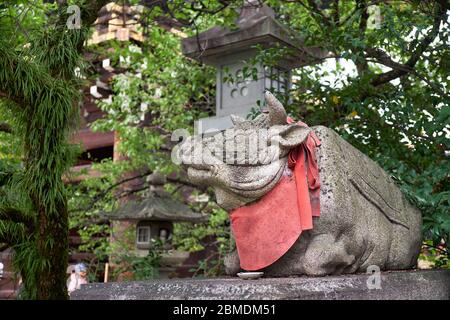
(277, 114)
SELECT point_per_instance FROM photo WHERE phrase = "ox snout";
(199, 166)
(200, 176)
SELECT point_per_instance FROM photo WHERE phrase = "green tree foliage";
(38, 91)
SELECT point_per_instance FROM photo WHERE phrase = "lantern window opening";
(143, 235)
(276, 79)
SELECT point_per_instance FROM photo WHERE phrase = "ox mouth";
(254, 181)
(199, 167)
(199, 174)
(240, 179)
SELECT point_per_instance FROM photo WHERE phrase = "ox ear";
(277, 114)
(236, 119)
(292, 135)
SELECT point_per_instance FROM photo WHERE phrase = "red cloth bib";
(265, 230)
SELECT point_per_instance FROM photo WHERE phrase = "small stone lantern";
(152, 218)
(146, 220)
(230, 50)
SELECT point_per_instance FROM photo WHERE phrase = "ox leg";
(325, 256)
(231, 260)
(232, 263)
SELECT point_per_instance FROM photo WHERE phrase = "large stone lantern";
(230, 50)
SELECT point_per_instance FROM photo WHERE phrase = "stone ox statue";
(364, 220)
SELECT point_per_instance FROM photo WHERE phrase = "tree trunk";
(52, 280)
(47, 281)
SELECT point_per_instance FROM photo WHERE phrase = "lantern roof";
(256, 25)
(156, 208)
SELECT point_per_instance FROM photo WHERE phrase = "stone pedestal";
(398, 285)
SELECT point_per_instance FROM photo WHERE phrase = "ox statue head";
(243, 163)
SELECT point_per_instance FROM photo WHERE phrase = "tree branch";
(440, 16)
(4, 127)
(388, 62)
(89, 12)
(12, 234)
(16, 99)
(12, 237)
(336, 14)
(362, 66)
(357, 8)
(180, 182)
(7, 241)
(102, 194)
(382, 57)
(16, 216)
(314, 8)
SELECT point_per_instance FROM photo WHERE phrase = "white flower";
(134, 49)
(158, 93)
(144, 106)
(125, 61)
(144, 65)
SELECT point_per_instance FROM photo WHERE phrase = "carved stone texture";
(365, 219)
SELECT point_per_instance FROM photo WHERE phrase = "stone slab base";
(421, 284)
